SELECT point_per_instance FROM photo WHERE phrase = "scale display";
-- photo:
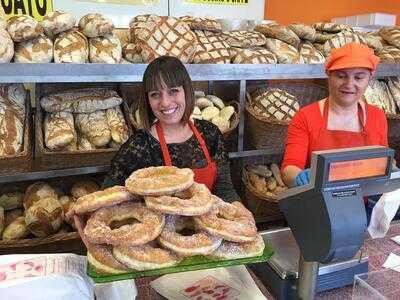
(357, 169)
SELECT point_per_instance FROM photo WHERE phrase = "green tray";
(198, 262)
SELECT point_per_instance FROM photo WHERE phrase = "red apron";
(334, 139)
(206, 175)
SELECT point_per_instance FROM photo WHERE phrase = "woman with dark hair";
(169, 137)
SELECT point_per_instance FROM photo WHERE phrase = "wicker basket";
(267, 132)
(56, 243)
(46, 159)
(22, 162)
(264, 209)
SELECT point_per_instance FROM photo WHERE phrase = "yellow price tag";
(223, 2)
(34, 8)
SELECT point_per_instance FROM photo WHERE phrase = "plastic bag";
(383, 213)
(44, 276)
(217, 284)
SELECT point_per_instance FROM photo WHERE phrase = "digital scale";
(327, 221)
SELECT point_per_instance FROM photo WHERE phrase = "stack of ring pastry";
(178, 218)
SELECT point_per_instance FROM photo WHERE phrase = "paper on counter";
(396, 239)
(392, 262)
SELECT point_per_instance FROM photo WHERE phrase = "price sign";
(34, 8)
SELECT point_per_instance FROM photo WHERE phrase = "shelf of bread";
(33, 215)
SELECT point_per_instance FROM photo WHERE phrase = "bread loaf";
(164, 35)
(38, 50)
(311, 55)
(391, 35)
(211, 49)
(257, 55)
(37, 191)
(93, 25)
(244, 39)
(132, 53)
(83, 188)
(71, 47)
(279, 32)
(303, 31)
(386, 57)
(373, 42)
(81, 100)
(44, 217)
(322, 37)
(16, 230)
(394, 52)
(12, 117)
(285, 53)
(23, 28)
(94, 127)
(342, 39)
(11, 200)
(393, 84)
(59, 130)
(106, 49)
(6, 47)
(116, 123)
(196, 23)
(331, 27)
(56, 22)
(378, 94)
(2, 220)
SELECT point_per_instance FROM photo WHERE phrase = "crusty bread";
(23, 28)
(279, 32)
(71, 47)
(37, 191)
(83, 188)
(6, 47)
(11, 200)
(56, 22)
(59, 130)
(38, 50)
(105, 49)
(16, 230)
(81, 101)
(93, 25)
(285, 53)
(116, 123)
(94, 127)
(211, 48)
(132, 53)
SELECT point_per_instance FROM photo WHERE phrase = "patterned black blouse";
(143, 150)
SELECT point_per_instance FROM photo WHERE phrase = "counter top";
(378, 250)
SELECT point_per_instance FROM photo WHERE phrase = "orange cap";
(353, 55)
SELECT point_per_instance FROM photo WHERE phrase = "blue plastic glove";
(303, 177)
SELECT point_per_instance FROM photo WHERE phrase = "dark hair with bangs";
(170, 71)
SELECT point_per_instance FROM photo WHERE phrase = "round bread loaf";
(23, 28)
(38, 50)
(71, 47)
(93, 25)
(56, 22)
(105, 49)
(6, 47)
(132, 53)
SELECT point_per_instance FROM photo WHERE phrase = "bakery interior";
(69, 96)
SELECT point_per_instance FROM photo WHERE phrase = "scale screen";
(357, 169)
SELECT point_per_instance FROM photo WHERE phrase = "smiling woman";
(169, 137)
(342, 120)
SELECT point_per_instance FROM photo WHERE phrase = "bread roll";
(222, 124)
(11, 215)
(71, 47)
(16, 230)
(83, 188)
(106, 49)
(81, 100)
(209, 112)
(6, 47)
(59, 130)
(94, 127)
(23, 28)
(11, 200)
(216, 101)
(203, 102)
(116, 123)
(44, 217)
(38, 50)
(37, 191)
(56, 22)
(93, 25)
(84, 144)
(227, 112)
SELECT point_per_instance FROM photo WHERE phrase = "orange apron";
(334, 139)
(206, 175)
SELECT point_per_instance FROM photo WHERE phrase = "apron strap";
(360, 115)
(201, 142)
(163, 145)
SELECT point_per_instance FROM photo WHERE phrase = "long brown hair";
(170, 71)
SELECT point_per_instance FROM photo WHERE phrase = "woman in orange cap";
(341, 120)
